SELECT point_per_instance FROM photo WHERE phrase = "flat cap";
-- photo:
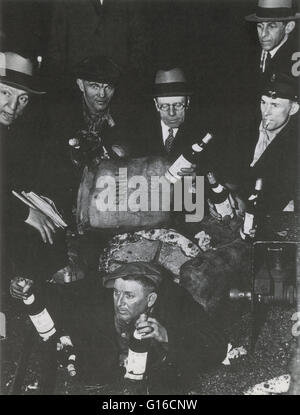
(148, 270)
(98, 68)
(281, 86)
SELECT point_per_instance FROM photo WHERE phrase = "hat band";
(19, 80)
(171, 88)
(276, 12)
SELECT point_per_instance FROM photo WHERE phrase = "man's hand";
(238, 206)
(152, 329)
(188, 171)
(20, 287)
(43, 224)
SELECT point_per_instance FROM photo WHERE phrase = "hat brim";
(258, 19)
(22, 81)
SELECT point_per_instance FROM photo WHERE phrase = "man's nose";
(120, 300)
(172, 110)
(13, 103)
(102, 92)
(267, 110)
(264, 32)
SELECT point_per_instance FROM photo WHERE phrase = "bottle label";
(43, 323)
(248, 223)
(224, 208)
(172, 172)
(136, 365)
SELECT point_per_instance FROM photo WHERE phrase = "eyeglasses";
(178, 106)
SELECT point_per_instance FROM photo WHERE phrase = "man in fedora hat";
(21, 147)
(141, 296)
(275, 21)
(173, 126)
(268, 149)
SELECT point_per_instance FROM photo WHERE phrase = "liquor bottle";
(187, 158)
(252, 213)
(219, 196)
(40, 317)
(68, 354)
(137, 356)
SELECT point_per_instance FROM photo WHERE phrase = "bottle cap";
(29, 300)
(207, 138)
(211, 178)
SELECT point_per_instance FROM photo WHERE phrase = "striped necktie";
(169, 140)
(265, 62)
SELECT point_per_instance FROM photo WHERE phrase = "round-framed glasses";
(177, 106)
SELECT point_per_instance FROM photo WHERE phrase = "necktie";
(266, 62)
(169, 140)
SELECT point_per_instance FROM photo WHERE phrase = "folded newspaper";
(42, 204)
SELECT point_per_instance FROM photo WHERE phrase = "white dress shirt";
(264, 53)
(264, 140)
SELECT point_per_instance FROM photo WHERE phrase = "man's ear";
(80, 84)
(290, 27)
(187, 105)
(156, 104)
(151, 299)
(294, 108)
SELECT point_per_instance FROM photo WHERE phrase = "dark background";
(210, 37)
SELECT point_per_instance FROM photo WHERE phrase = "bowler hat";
(98, 68)
(148, 270)
(170, 83)
(281, 86)
(274, 10)
(17, 71)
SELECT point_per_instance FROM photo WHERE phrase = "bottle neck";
(258, 185)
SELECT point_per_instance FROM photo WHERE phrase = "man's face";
(130, 299)
(270, 34)
(97, 96)
(276, 112)
(172, 110)
(12, 103)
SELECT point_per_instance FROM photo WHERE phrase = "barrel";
(124, 195)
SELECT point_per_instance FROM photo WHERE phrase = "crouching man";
(144, 300)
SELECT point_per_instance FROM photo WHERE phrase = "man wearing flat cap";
(92, 126)
(183, 339)
(276, 21)
(268, 149)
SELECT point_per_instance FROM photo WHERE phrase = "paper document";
(43, 204)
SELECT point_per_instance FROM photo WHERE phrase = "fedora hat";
(17, 71)
(274, 10)
(170, 83)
